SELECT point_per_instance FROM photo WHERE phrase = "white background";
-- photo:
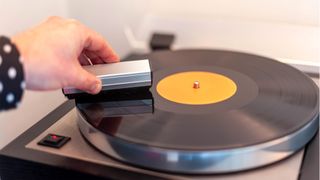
(274, 28)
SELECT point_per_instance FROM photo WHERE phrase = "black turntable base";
(208, 113)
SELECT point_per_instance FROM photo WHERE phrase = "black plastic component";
(310, 164)
(53, 140)
(160, 41)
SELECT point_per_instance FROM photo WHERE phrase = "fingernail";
(95, 88)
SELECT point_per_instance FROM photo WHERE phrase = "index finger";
(96, 44)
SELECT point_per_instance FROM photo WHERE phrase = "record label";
(196, 87)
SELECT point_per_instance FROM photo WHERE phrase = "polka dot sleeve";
(11, 75)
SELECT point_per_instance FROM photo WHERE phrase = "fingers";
(84, 60)
(94, 58)
(97, 45)
(85, 81)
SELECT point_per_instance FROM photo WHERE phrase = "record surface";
(272, 100)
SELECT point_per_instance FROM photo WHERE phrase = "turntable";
(209, 114)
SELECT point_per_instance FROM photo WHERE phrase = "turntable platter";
(227, 111)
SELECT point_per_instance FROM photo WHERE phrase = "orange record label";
(196, 88)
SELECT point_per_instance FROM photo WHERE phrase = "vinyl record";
(240, 101)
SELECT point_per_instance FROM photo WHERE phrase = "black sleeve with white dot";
(11, 75)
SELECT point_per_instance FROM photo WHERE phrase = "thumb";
(86, 81)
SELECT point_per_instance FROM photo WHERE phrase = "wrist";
(21, 44)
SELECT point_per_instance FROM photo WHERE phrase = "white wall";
(302, 12)
(18, 15)
(15, 16)
(282, 29)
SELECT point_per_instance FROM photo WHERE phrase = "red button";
(54, 140)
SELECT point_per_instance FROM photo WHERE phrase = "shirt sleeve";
(12, 82)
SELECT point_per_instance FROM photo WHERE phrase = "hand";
(53, 52)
